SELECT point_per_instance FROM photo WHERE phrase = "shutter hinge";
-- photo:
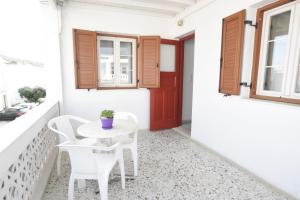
(138, 81)
(250, 23)
(245, 84)
(138, 45)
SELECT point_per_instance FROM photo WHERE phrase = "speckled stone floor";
(184, 129)
(171, 167)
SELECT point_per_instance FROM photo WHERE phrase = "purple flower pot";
(107, 123)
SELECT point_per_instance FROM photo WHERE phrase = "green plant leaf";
(107, 113)
(32, 95)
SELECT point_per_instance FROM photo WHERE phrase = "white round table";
(94, 129)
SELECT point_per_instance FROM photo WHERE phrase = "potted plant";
(107, 118)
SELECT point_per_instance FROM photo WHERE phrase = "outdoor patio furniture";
(62, 126)
(94, 162)
(124, 130)
(129, 141)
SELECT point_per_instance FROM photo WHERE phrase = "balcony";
(27, 154)
(171, 166)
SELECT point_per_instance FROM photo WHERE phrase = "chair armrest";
(79, 119)
(57, 131)
(68, 145)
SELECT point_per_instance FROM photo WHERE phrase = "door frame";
(180, 72)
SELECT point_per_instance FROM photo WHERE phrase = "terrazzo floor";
(184, 129)
(171, 167)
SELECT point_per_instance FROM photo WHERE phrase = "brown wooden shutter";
(85, 59)
(149, 55)
(232, 53)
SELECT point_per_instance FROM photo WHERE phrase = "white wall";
(261, 136)
(89, 104)
(188, 80)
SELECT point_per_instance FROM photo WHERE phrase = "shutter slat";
(149, 56)
(85, 59)
(232, 53)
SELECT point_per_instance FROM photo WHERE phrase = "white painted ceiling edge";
(169, 8)
(173, 9)
(176, 9)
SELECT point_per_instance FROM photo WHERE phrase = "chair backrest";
(82, 157)
(63, 127)
(131, 117)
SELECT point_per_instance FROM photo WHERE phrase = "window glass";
(106, 61)
(273, 80)
(126, 70)
(277, 49)
(126, 48)
(280, 25)
(278, 38)
(167, 58)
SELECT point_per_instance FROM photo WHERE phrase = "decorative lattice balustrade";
(25, 174)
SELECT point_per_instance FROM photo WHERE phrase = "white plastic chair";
(62, 126)
(130, 141)
(94, 162)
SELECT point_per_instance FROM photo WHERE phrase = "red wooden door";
(164, 100)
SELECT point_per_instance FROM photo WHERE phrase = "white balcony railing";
(27, 154)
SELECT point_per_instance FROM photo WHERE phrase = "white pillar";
(52, 26)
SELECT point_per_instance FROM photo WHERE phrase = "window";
(277, 72)
(167, 58)
(117, 62)
(105, 61)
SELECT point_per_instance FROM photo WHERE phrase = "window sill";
(276, 99)
(117, 88)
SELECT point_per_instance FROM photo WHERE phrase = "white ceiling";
(167, 7)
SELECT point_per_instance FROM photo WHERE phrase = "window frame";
(118, 38)
(255, 91)
(264, 52)
(296, 61)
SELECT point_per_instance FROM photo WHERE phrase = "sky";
(21, 37)
(20, 29)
